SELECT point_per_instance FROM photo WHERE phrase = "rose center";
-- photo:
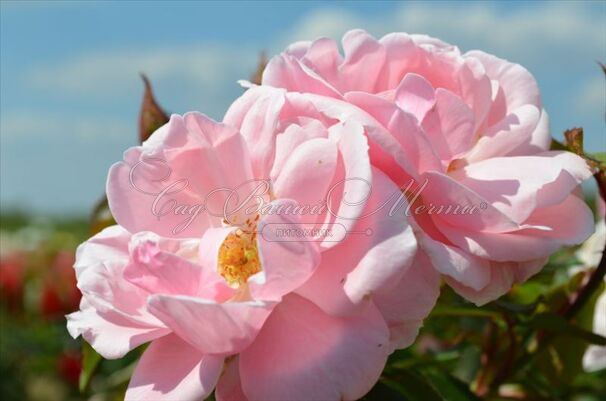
(239, 257)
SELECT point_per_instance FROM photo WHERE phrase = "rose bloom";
(224, 302)
(469, 130)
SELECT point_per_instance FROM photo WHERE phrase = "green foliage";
(518, 347)
(90, 361)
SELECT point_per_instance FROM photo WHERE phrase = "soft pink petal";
(375, 254)
(386, 239)
(229, 387)
(163, 265)
(349, 190)
(527, 243)
(515, 132)
(406, 305)
(444, 190)
(170, 369)
(518, 185)
(401, 52)
(456, 263)
(256, 115)
(109, 244)
(162, 185)
(540, 139)
(361, 67)
(113, 317)
(502, 277)
(436, 61)
(286, 261)
(304, 354)
(286, 71)
(308, 172)
(306, 66)
(449, 125)
(291, 138)
(403, 127)
(518, 84)
(516, 101)
(567, 223)
(415, 95)
(100, 263)
(105, 287)
(211, 327)
(571, 222)
(110, 333)
(323, 57)
(475, 88)
(385, 151)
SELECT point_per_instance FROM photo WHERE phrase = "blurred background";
(70, 94)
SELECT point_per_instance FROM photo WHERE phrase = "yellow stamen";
(238, 258)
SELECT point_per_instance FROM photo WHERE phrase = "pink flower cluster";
(431, 163)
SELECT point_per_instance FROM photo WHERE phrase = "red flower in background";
(12, 274)
(59, 292)
(69, 366)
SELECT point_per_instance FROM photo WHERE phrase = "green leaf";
(557, 145)
(600, 156)
(468, 364)
(449, 387)
(556, 324)
(518, 308)
(529, 292)
(561, 362)
(460, 311)
(381, 392)
(90, 362)
(429, 384)
(413, 386)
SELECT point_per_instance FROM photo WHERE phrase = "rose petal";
(304, 354)
(171, 369)
(211, 327)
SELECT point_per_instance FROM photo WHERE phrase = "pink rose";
(472, 126)
(223, 302)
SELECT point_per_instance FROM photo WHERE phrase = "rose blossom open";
(226, 306)
(471, 126)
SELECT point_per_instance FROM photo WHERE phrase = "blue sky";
(70, 89)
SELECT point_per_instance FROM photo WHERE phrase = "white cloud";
(104, 71)
(325, 22)
(552, 33)
(561, 30)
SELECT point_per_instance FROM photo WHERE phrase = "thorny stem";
(482, 381)
(505, 369)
